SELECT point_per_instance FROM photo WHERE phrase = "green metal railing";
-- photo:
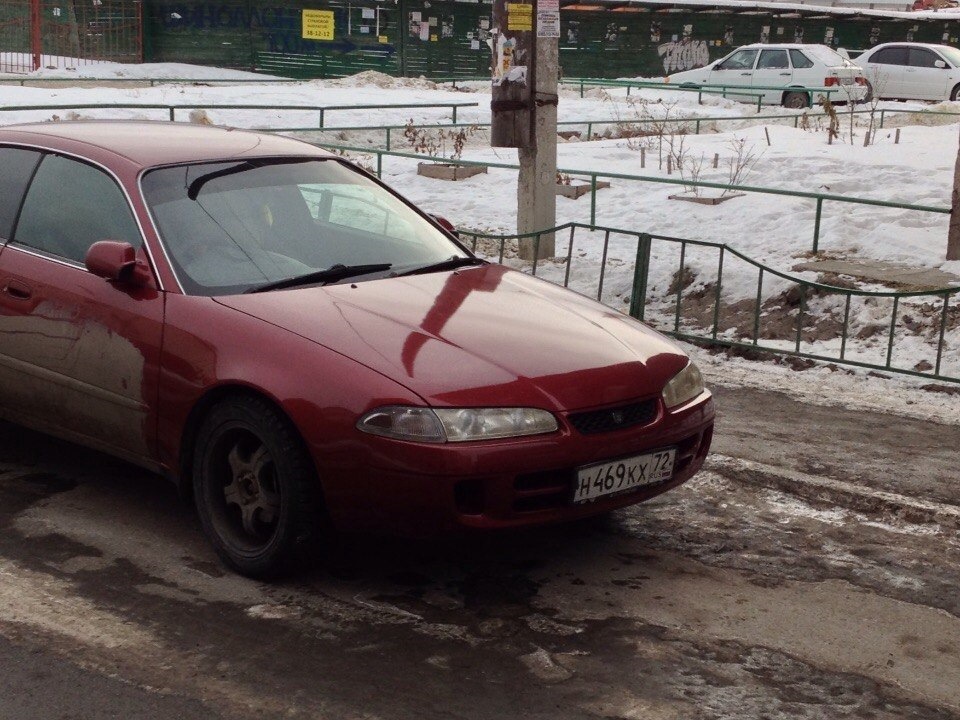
(593, 176)
(722, 89)
(670, 315)
(691, 124)
(172, 108)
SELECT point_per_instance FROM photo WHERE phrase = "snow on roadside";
(68, 69)
(821, 385)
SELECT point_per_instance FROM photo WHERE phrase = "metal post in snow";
(816, 226)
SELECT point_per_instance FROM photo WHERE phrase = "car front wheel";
(955, 93)
(796, 100)
(255, 487)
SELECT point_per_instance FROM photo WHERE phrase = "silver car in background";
(792, 69)
(912, 71)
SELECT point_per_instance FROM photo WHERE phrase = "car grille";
(599, 421)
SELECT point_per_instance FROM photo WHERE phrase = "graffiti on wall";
(684, 54)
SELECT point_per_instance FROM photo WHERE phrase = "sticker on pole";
(318, 24)
(548, 18)
(519, 16)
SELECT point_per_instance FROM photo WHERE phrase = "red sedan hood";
(479, 336)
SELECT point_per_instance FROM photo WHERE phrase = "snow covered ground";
(774, 230)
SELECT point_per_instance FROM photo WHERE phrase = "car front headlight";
(456, 424)
(683, 387)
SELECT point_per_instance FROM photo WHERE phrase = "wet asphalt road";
(722, 599)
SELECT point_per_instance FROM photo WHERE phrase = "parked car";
(912, 71)
(781, 74)
(279, 332)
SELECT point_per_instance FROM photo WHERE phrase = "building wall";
(445, 38)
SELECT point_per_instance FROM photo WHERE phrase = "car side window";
(16, 169)
(740, 60)
(890, 56)
(800, 60)
(71, 205)
(921, 57)
(772, 60)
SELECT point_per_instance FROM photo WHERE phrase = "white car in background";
(912, 71)
(790, 68)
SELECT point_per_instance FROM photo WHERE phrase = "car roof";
(934, 46)
(151, 143)
(784, 46)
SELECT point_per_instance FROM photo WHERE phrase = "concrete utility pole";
(953, 235)
(525, 45)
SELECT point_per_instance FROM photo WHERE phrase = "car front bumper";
(421, 488)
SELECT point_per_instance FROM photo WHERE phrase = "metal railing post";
(816, 225)
(388, 138)
(171, 113)
(593, 200)
(379, 165)
(454, 114)
(641, 272)
(883, 114)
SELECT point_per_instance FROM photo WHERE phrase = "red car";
(289, 339)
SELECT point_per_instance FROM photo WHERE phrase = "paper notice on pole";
(548, 23)
(519, 16)
(368, 13)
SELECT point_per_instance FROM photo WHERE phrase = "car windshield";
(229, 227)
(950, 53)
(827, 56)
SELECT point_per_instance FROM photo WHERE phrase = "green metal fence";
(693, 124)
(708, 314)
(171, 109)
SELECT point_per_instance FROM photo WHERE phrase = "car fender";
(210, 348)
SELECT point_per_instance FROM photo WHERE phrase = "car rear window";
(890, 56)
(800, 60)
(828, 57)
(16, 169)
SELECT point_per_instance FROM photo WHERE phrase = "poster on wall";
(318, 24)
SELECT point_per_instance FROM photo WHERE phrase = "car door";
(927, 80)
(773, 71)
(887, 72)
(80, 355)
(17, 166)
(736, 70)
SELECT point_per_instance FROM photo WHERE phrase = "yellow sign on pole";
(519, 16)
(318, 24)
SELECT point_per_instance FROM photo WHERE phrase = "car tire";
(955, 93)
(255, 487)
(869, 96)
(796, 100)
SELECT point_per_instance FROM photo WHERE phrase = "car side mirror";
(446, 225)
(939, 63)
(115, 261)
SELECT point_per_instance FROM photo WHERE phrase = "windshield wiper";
(331, 274)
(448, 264)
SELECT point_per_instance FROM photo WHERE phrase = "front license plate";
(615, 477)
